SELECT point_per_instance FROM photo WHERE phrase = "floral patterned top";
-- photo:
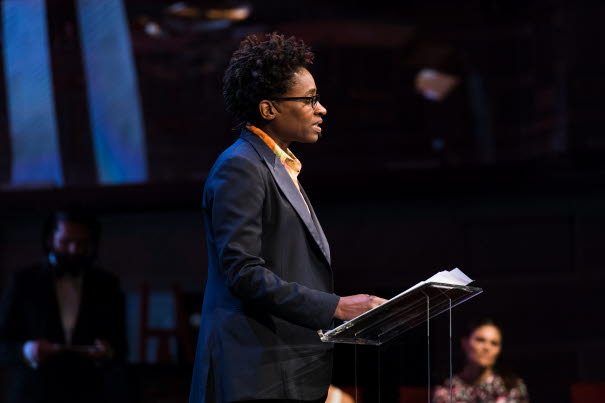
(492, 390)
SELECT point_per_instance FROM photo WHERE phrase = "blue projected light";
(31, 111)
(113, 98)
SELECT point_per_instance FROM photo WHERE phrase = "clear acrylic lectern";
(401, 313)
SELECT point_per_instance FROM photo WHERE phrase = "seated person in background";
(62, 321)
(479, 382)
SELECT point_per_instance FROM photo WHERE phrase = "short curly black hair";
(259, 69)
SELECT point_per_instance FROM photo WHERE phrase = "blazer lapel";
(289, 189)
(322, 236)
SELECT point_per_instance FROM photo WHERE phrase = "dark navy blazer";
(269, 286)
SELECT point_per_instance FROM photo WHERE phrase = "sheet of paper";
(455, 276)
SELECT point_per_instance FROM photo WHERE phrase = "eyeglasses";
(313, 100)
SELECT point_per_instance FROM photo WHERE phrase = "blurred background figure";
(62, 328)
(337, 395)
(479, 381)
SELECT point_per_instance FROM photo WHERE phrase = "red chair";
(181, 331)
(413, 394)
(586, 392)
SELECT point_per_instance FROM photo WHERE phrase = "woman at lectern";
(479, 381)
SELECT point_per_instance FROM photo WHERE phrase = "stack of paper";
(454, 276)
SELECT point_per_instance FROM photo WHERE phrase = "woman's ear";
(267, 110)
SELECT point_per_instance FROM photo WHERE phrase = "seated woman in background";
(479, 381)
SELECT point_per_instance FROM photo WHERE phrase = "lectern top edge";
(401, 313)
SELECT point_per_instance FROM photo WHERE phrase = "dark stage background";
(503, 177)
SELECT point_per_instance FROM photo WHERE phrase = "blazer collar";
(287, 186)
